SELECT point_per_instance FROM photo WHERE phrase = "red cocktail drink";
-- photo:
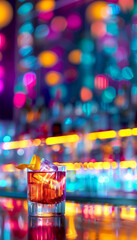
(46, 188)
(47, 192)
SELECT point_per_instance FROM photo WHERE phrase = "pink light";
(74, 21)
(101, 82)
(29, 79)
(46, 16)
(1, 72)
(19, 99)
(2, 41)
(1, 86)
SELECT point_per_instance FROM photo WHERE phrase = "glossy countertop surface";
(81, 222)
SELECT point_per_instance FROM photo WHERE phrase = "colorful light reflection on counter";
(72, 209)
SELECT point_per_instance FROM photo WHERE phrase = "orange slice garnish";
(34, 164)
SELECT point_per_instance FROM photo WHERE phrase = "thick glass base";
(46, 210)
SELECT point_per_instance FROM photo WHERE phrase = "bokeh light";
(58, 24)
(45, 5)
(41, 31)
(47, 58)
(1, 86)
(101, 82)
(26, 50)
(88, 81)
(97, 11)
(2, 41)
(75, 56)
(112, 28)
(25, 9)
(108, 95)
(98, 29)
(46, 16)
(53, 78)
(85, 94)
(28, 62)
(29, 79)
(25, 39)
(71, 74)
(6, 13)
(88, 59)
(126, 4)
(114, 9)
(86, 45)
(26, 27)
(74, 21)
(2, 71)
(19, 99)
(127, 73)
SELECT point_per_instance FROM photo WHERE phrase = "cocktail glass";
(47, 192)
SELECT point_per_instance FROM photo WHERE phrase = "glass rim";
(61, 168)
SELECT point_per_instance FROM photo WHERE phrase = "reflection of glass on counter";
(49, 228)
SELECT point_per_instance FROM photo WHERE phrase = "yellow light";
(90, 165)
(106, 211)
(132, 164)
(6, 13)
(114, 165)
(47, 58)
(129, 214)
(71, 233)
(53, 78)
(107, 134)
(77, 166)
(134, 131)
(62, 139)
(8, 168)
(98, 210)
(70, 209)
(97, 11)
(106, 165)
(123, 164)
(92, 136)
(98, 165)
(25, 204)
(30, 117)
(75, 56)
(125, 132)
(45, 5)
(36, 142)
(17, 144)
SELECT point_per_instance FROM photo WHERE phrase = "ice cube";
(43, 178)
(47, 166)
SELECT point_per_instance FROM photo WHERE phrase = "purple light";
(53, 35)
(58, 50)
(1, 72)
(2, 41)
(29, 79)
(1, 86)
(74, 21)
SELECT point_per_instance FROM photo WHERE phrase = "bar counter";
(81, 222)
